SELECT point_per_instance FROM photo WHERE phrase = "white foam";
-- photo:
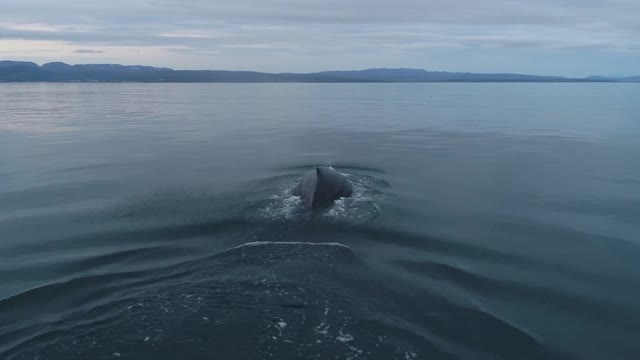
(410, 355)
(282, 207)
(260, 243)
(356, 352)
(322, 328)
(344, 337)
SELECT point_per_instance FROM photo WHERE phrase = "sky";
(541, 37)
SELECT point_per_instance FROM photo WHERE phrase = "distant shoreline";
(329, 82)
(58, 72)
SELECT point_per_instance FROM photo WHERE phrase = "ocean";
(156, 221)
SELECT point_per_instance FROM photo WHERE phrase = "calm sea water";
(155, 221)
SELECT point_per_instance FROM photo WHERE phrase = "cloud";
(311, 35)
(195, 34)
(87, 51)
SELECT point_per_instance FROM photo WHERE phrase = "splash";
(363, 206)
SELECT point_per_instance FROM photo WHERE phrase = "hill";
(22, 71)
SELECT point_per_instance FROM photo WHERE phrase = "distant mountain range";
(22, 71)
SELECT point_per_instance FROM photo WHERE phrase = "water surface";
(155, 221)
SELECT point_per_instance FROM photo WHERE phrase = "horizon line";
(333, 70)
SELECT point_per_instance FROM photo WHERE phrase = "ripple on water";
(246, 302)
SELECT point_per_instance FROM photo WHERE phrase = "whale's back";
(306, 188)
(322, 186)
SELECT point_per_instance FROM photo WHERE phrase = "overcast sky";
(552, 37)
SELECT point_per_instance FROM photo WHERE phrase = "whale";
(322, 186)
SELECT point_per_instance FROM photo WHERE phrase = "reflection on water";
(155, 221)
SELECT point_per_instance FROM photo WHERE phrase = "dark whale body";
(322, 186)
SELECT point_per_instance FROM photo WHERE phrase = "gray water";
(155, 221)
